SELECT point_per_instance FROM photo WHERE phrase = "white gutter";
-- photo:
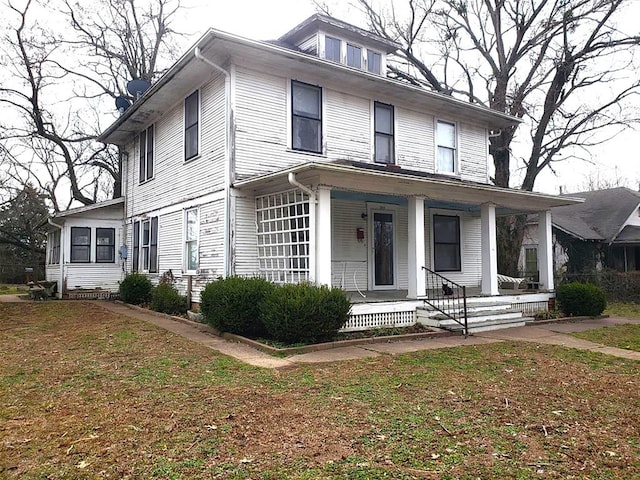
(61, 282)
(312, 223)
(226, 254)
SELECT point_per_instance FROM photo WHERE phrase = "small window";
(80, 244)
(446, 243)
(354, 56)
(332, 49)
(146, 144)
(136, 247)
(383, 125)
(191, 240)
(306, 122)
(191, 128)
(54, 247)
(531, 261)
(105, 245)
(374, 62)
(145, 243)
(446, 137)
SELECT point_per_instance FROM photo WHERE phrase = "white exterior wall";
(245, 246)
(89, 275)
(175, 180)
(349, 264)
(262, 130)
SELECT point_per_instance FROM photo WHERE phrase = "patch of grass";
(620, 336)
(627, 310)
(88, 394)
(10, 289)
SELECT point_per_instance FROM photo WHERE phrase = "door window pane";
(383, 248)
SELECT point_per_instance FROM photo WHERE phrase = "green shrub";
(577, 298)
(166, 299)
(305, 313)
(135, 289)
(233, 304)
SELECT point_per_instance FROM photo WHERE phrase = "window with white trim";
(332, 47)
(145, 246)
(191, 125)
(374, 62)
(146, 146)
(105, 245)
(384, 133)
(446, 137)
(80, 244)
(446, 243)
(354, 56)
(54, 247)
(306, 117)
(191, 227)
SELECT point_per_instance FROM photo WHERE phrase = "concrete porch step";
(482, 315)
(487, 325)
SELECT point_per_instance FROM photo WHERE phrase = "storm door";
(383, 254)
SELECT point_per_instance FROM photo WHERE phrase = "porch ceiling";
(398, 182)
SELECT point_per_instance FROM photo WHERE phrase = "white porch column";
(489, 249)
(416, 259)
(322, 237)
(545, 251)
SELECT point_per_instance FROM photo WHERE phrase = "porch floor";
(376, 296)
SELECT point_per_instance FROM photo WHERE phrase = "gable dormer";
(340, 42)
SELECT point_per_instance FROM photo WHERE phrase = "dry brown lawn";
(87, 394)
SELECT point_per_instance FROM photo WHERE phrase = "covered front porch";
(375, 231)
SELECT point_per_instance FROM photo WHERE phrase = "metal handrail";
(445, 295)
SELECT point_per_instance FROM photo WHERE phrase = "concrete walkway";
(548, 333)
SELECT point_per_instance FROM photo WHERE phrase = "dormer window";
(354, 56)
(374, 62)
(332, 47)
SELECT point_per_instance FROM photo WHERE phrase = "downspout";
(226, 255)
(61, 280)
(312, 223)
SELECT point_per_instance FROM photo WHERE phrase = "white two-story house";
(300, 160)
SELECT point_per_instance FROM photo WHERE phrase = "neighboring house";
(604, 231)
(299, 160)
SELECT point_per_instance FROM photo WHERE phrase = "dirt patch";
(88, 394)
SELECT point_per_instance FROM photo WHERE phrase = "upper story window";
(105, 245)
(354, 56)
(374, 62)
(191, 228)
(146, 143)
(447, 147)
(332, 47)
(191, 125)
(80, 244)
(384, 133)
(306, 117)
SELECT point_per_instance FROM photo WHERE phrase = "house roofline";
(89, 208)
(212, 34)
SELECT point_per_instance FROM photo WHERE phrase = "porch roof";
(396, 181)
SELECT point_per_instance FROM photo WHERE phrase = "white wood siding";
(473, 152)
(174, 180)
(210, 246)
(262, 110)
(245, 245)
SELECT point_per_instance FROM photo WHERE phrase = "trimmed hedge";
(166, 299)
(576, 299)
(135, 289)
(233, 304)
(305, 313)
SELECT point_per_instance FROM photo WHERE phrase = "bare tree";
(57, 82)
(563, 66)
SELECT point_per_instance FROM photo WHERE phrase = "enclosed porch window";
(283, 236)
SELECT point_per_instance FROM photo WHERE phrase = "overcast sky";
(269, 19)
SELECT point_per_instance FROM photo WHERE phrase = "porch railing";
(448, 297)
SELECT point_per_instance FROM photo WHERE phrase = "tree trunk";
(510, 231)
